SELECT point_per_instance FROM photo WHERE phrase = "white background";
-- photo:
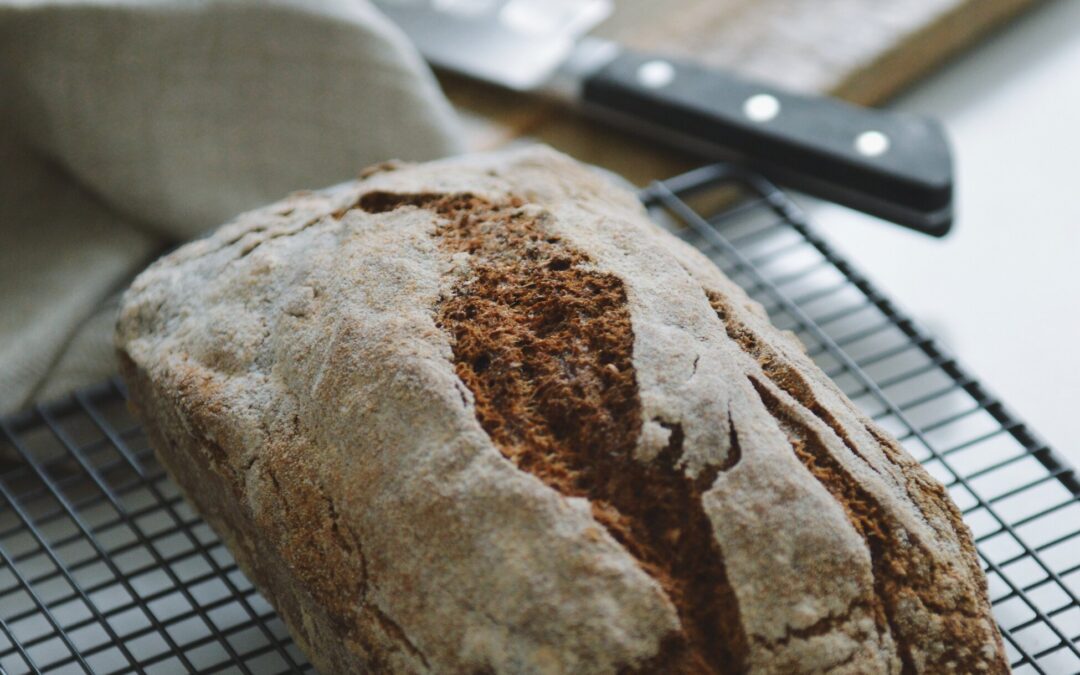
(1003, 290)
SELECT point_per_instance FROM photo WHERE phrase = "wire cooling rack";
(104, 568)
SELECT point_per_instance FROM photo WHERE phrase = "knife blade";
(893, 165)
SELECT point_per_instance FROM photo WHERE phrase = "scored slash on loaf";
(482, 415)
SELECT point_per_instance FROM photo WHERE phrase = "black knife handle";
(894, 165)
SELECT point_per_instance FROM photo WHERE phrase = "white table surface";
(1002, 291)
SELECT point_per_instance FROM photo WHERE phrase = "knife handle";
(893, 165)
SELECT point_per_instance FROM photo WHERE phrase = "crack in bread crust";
(957, 621)
(781, 373)
(545, 345)
(865, 515)
(905, 572)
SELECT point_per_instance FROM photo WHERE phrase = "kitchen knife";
(893, 165)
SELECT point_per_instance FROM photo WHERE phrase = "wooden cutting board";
(861, 50)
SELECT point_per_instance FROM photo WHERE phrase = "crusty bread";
(481, 415)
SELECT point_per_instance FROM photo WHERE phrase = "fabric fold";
(128, 126)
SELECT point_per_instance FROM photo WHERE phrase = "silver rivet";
(655, 74)
(872, 143)
(761, 107)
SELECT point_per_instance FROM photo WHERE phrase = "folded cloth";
(129, 125)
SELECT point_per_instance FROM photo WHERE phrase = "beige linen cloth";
(126, 126)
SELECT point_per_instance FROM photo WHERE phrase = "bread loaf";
(482, 415)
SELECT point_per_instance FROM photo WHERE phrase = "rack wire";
(104, 568)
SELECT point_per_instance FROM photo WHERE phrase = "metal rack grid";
(104, 568)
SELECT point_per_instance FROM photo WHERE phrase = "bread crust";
(303, 377)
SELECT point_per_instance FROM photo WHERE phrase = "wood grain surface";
(860, 50)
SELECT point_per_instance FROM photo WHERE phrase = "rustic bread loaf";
(481, 415)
